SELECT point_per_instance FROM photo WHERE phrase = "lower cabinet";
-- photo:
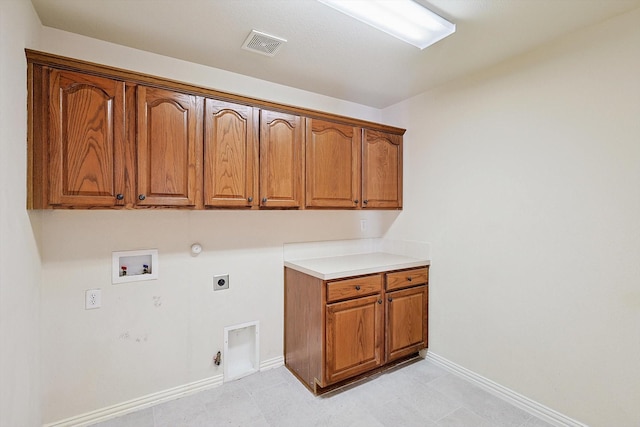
(337, 330)
(406, 321)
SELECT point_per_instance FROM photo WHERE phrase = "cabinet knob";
(379, 301)
(389, 299)
(409, 278)
(142, 197)
(365, 201)
(264, 200)
(357, 287)
(250, 199)
(355, 202)
(119, 196)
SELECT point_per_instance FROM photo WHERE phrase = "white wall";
(20, 269)
(152, 336)
(525, 179)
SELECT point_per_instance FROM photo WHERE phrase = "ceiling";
(328, 52)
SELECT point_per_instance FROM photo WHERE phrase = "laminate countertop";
(337, 267)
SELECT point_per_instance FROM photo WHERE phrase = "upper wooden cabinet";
(101, 137)
(351, 167)
(84, 132)
(281, 160)
(332, 165)
(230, 155)
(381, 170)
(169, 147)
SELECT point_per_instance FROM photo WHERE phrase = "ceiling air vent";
(263, 43)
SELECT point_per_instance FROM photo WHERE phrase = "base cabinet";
(337, 330)
(353, 350)
(406, 321)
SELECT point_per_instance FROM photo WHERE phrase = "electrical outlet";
(92, 299)
(220, 282)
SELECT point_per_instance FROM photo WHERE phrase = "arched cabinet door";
(381, 170)
(230, 155)
(86, 133)
(169, 147)
(281, 160)
(332, 165)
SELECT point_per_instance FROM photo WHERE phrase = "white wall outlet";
(363, 225)
(220, 282)
(92, 299)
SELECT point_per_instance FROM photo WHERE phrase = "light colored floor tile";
(463, 417)
(419, 394)
(179, 412)
(233, 406)
(423, 369)
(536, 422)
(143, 418)
(431, 404)
(491, 408)
(398, 412)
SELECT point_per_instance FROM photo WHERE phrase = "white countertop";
(353, 265)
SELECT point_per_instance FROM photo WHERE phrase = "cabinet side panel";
(36, 138)
(303, 326)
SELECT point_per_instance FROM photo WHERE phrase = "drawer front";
(352, 288)
(406, 278)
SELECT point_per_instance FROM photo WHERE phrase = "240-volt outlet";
(220, 282)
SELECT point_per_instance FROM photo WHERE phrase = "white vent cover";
(263, 43)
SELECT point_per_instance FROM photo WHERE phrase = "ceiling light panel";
(403, 19)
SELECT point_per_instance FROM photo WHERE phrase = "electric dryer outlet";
(220, 282)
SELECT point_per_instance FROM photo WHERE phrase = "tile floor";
(420, 394)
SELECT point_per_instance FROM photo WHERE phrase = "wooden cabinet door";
(169, 147)
(231, 155)
(406, 321)
(86, 140)
(381, 170)
(354, 337)
(281, 159)
(332, 165)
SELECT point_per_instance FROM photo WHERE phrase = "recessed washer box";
(134, 266)
(241, 350)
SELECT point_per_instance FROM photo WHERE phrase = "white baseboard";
(153, 399)
(547, 414)
(276, 362)
(139, 403)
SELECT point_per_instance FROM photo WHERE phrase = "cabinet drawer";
(406, 278)
(352, 288)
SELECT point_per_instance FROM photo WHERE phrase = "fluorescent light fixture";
(404, 19)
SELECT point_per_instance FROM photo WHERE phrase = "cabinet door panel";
(332, 165)
(281, 148)
(381, 170)
(231, 154)
(354, 337)
(86, 140)
(407, 321)
(169, 147)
